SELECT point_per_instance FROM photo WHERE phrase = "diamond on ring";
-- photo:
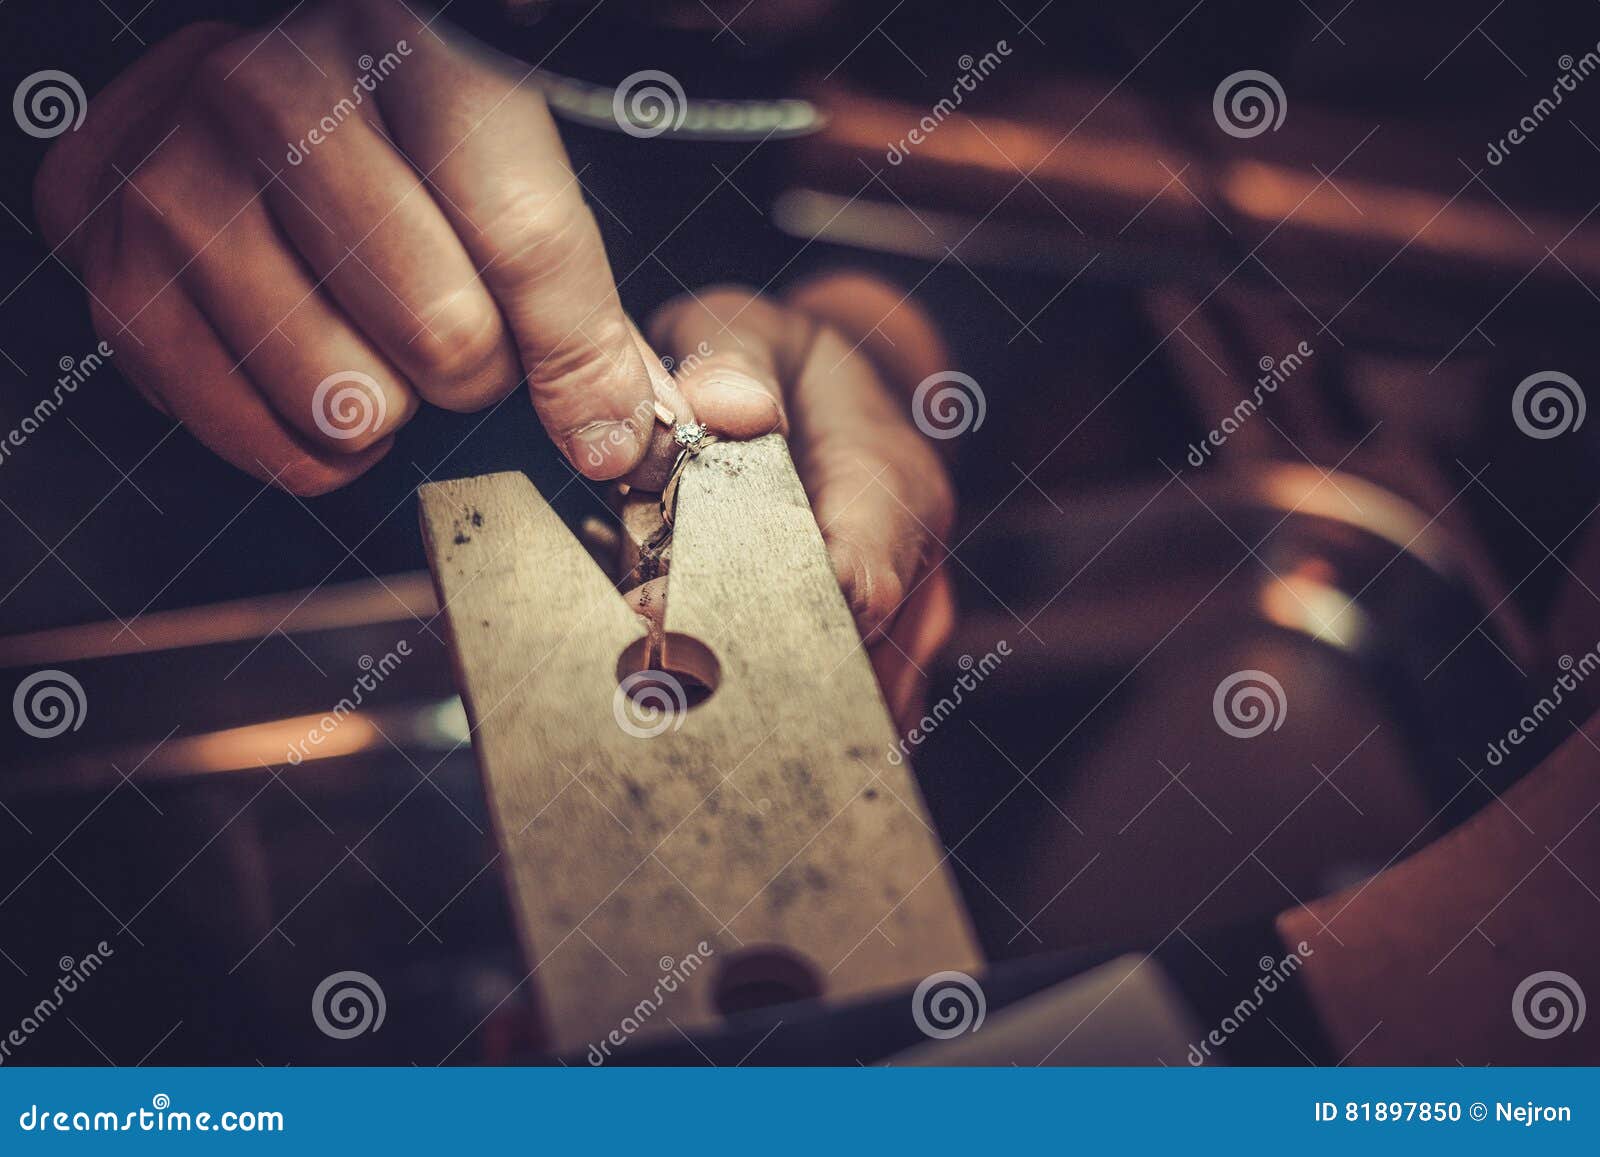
(690, 435)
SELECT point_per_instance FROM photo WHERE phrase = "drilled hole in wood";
(761, 977)
(672, 673)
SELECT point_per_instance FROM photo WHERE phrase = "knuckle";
(151, 203)
(581, 367)
(223, 72)
(251, 82)
(349, 412)
(357, 428)
(537, 234)
(458, 339)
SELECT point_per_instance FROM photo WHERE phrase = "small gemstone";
(689, 434)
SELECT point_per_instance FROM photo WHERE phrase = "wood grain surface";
(765, 824)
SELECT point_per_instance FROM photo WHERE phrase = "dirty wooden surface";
(766, 822)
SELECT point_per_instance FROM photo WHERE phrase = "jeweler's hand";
(292, 236)
(833, 365)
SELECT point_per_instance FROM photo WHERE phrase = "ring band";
(693, 437)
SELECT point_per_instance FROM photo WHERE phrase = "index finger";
(504, 181)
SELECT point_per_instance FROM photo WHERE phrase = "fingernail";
(604, 449)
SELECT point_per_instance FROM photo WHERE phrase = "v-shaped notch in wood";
(765, 824)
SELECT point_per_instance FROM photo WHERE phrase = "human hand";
(832, 365)
(293, 236)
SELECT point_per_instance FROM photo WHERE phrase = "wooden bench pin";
(731, 822)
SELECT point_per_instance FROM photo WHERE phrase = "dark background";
(1098, 378)
(1372, 69)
